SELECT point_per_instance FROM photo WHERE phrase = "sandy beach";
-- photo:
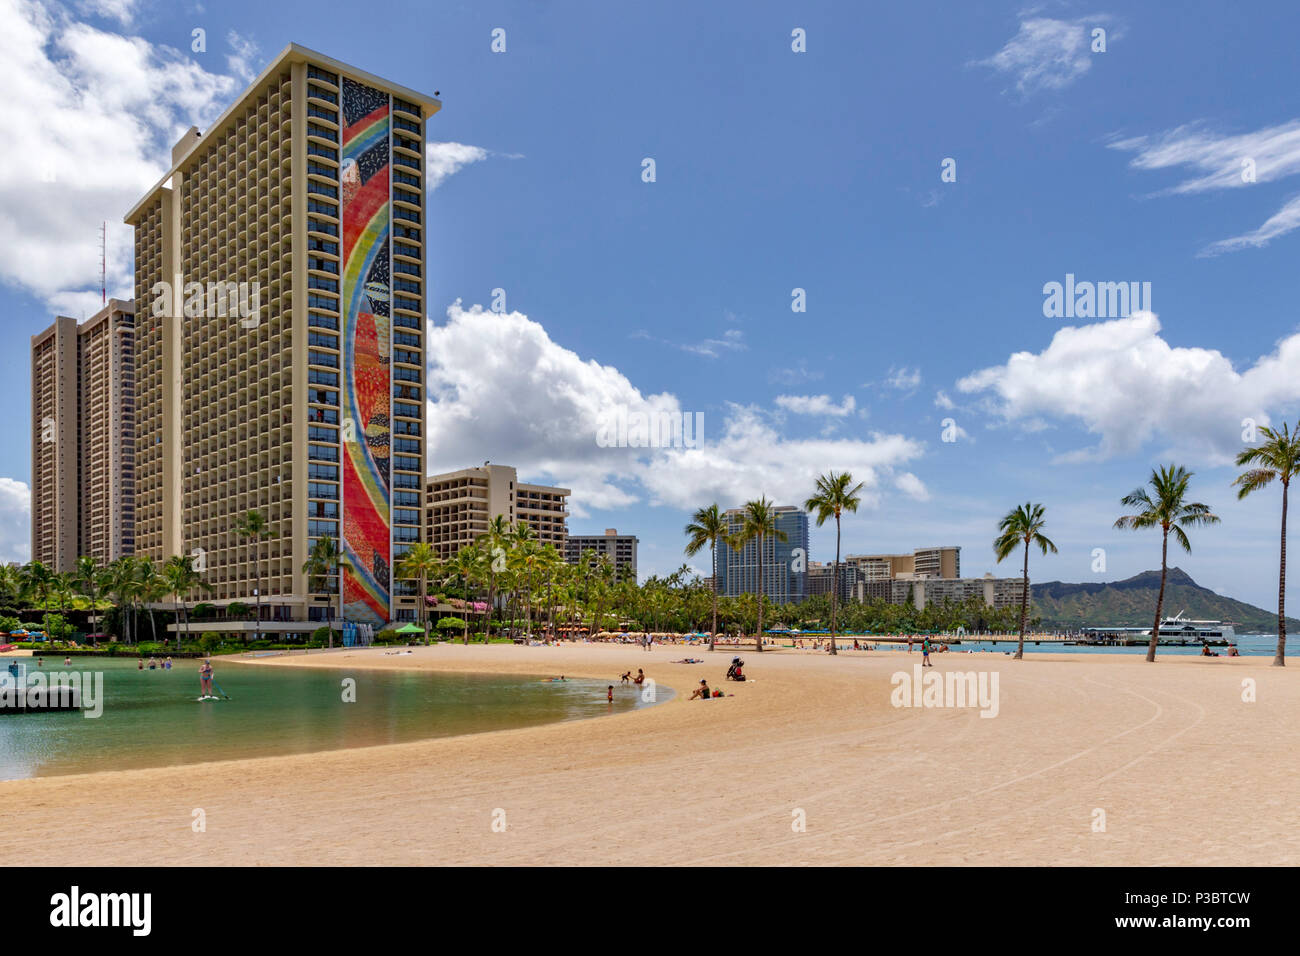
(1184, 771)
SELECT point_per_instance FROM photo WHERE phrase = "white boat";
(1176, 628)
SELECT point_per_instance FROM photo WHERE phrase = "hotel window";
(323, 452)
(406, 516)
(402, 463)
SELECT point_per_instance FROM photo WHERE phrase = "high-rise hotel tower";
(280, 290)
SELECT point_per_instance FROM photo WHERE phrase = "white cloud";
(733, 340)
(123, 11)
(816, 405)
(501, 389)
(941, 400)
(1047, 54)
(903, 378)
(912, 486)
(97, 113)
(1124, 383)
(1226, 162)
(1286, 219)
(15, 521)
(444, 160)
(242, 60)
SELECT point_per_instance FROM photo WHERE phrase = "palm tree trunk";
(835, 583)
(759, 642)
(713, 550)
(1160, 598)
(1279, 659)
(1024, 605)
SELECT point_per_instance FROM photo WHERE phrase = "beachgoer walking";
(925, 652)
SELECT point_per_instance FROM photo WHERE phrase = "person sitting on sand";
(702, 692)
(1232, 650)
(639, 679)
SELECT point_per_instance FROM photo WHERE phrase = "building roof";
(293, 53)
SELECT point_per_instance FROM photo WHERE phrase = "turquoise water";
(152, 718)
(1248, 645)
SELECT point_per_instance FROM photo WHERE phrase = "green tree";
(708, 526)
(421, 563)
(1022, 525)
(252, 527)
(180, 579)
(758, 522)
(1276, 458)
(835, 495)
(1168, 510)
(321, 569)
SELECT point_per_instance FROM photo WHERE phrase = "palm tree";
(1277, 457)
(120, 583)
(1169, 511)
(38, 580)
(494, 544)
(420, 562)
(180, 578)
(253, 527)
(90, 579)
(708, 526)
(321, 566)
(835, 494)
(758, 521)
(1022, 524)
(151, 588)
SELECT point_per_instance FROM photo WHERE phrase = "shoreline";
(692, 782)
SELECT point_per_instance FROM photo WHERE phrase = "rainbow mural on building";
(367, 355)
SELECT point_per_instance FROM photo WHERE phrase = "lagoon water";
(152, 718)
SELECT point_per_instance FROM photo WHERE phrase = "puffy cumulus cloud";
(242, 58)
(1048, 54)
(816, 405)
(444, 160)
(15, 521)
(904, 378)
(91, 116)
(1124, 383)
(500, 389)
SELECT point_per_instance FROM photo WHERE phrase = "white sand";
(1186, 772)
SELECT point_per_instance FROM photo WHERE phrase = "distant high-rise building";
(459, 505)
(944, 562)
(619, 548)
(785, 563)
(819, 579)
(280, 284)
(83, 393)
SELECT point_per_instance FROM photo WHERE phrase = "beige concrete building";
(619, 548)
(83, 438)
(459, 505)
(995, 592)
(280, 268)
(944, 562)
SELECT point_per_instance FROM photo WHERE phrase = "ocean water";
(152, 718)
(1248, 645)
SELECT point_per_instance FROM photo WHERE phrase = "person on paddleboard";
(205, 680)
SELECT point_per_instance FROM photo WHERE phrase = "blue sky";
(775, 170)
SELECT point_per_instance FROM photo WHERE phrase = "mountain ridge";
(1131, 602)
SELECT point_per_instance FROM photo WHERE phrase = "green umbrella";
(410, 629)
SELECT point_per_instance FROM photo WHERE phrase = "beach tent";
(410, 629)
